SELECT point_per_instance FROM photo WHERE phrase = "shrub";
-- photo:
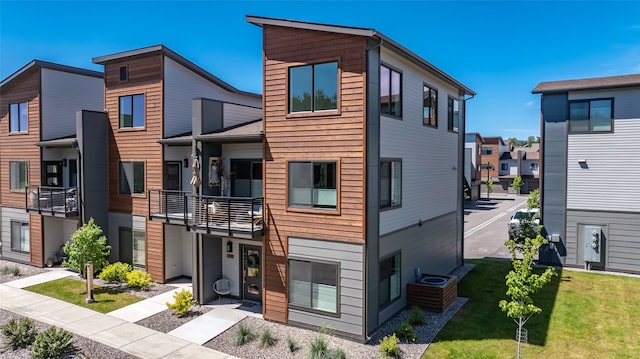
(13, 270)
(416, 317)
(52, 343)
(318, 348)
(389, 346)
(138, 279)
(87, 244)
(292, 344)
(243, 335)
(337, 354)
(267, 339)
(405, 332)
(183, 300)
(115, 272)
(18, 334)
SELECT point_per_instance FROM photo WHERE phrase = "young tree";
(534, 199)
(517, 184)
(530, 141)
(489, 185)
(87, 244)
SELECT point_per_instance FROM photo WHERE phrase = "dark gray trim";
(39, 64)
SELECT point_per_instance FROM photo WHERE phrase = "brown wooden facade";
(332, 136)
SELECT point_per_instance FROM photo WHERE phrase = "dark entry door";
(251, 273)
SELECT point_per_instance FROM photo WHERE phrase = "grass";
(74, 291)
(585, 315)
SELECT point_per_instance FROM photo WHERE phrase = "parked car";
(524, 214)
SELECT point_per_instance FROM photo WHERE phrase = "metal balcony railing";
(54, 201)
(170, 206)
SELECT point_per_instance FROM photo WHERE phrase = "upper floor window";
(131, 111)
(429, 106)
(123, 73)
(313, 184)
(19, 174)
(390, 91)
(131, 177)
(18, 117)
(313, 87)
(534, 166)
(453, 111)
(591, 115)
(487, 150)
(504, 167)
(390, 183)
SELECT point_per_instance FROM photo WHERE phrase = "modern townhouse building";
(363, 174)
(520, 162)
(472, 160)
(48, 113)
(590, 167)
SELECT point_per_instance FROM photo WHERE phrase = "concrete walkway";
(115, 329)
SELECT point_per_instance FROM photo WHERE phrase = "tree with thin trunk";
(489, 185)
(86, 244)
(517, 184)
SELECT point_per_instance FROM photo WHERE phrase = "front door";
(251, 273)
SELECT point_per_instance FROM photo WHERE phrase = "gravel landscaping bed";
(26, 270)
(166, 321)
(85, 348)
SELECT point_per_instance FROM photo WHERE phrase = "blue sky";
(499, 49)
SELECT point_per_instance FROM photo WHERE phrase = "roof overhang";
(185, 140)
(596, 83)
(39, 64)
(59, 143)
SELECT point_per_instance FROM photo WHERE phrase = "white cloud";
(529, 103)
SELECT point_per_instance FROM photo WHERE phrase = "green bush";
(292, 344)
(337, 354)
(405, 332)
(87, 244)
(115, 272)
(267, 339)
(52, 343)
(389, 346)
(244, 334)
(13, 270)
(18, 334)
(138, 279)
(416, 317)
(183, 300)
(318, 349)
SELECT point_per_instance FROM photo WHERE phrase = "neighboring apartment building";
(472, 161)
(48, 113)
(590, 170)
(363, 174)
(502, 162)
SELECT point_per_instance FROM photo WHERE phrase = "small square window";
(313, 88)
(131, 177)
(123, 73)
(313, 184)
(504, 167)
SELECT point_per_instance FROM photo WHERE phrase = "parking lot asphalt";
(485, 225)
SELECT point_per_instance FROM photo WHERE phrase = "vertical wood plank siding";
(337, 137)
(144, 77)
(36, 238)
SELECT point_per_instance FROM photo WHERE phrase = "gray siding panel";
(350, 257)
(8, 214)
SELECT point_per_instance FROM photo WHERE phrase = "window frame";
(391, 161)
(534, 164)
(133, 232)
(144, 113)
(20, 249)
(434, 109)
(19, 115)
(311, 309)
(503, 165)
(450, 114)
(329, 112)
(123, 70)
(588, 101)
(486, 150)
(391, 69)
(26, 175)
(389, 257)
(311, 208)
(131, 184)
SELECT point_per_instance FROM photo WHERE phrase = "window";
(53, 173)
(390, 183)
(20, 236)
(132, 111)
(534, 166)
(247, 178)
(390, 91)
(172, 176)
(390, 280)
(453, 110)
(18, 117)
(313, 285)
(487, 150)
(313, 184)
(429, 106)
(131, 177)
(123, 73)
(313, 87)
(132, 246)
(18, 171)
(73, 173)
(590, 115)
(504, 167)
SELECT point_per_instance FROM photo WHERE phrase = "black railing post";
(185, 214)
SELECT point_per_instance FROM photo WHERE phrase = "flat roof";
(39, 64)
(595, 83)
(246, 132)
(59, 142)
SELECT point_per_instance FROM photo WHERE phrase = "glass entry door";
(251, 273)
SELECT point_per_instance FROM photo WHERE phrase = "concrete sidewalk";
(110, 330)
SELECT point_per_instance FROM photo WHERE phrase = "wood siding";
(36, 238)
(335, 137)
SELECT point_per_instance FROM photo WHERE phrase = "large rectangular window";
(390, 91)
(131, 111)
(18, 117)
(132, 246)
(429, 106)
(390, 280)
(247, 178)
(453, 111)
(591, 115)
(313, 87)
(131, 177)
(313, 285)
(313, 184)
(20, 236)
(19, 172)
(390, 183)
(487, 150)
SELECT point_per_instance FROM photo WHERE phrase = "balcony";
(239, 217)
(52, 201)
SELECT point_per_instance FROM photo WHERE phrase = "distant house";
(472, 162)
(590, 172)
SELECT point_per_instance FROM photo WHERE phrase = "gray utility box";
(592, 243)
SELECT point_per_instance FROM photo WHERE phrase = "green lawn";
(585, 315)
(74, 291)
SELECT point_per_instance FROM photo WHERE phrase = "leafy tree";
(466, 193)
(489, 185)
(530, 141)
(87, 244)
(513, 142)
(534, 199)
(517, 184)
